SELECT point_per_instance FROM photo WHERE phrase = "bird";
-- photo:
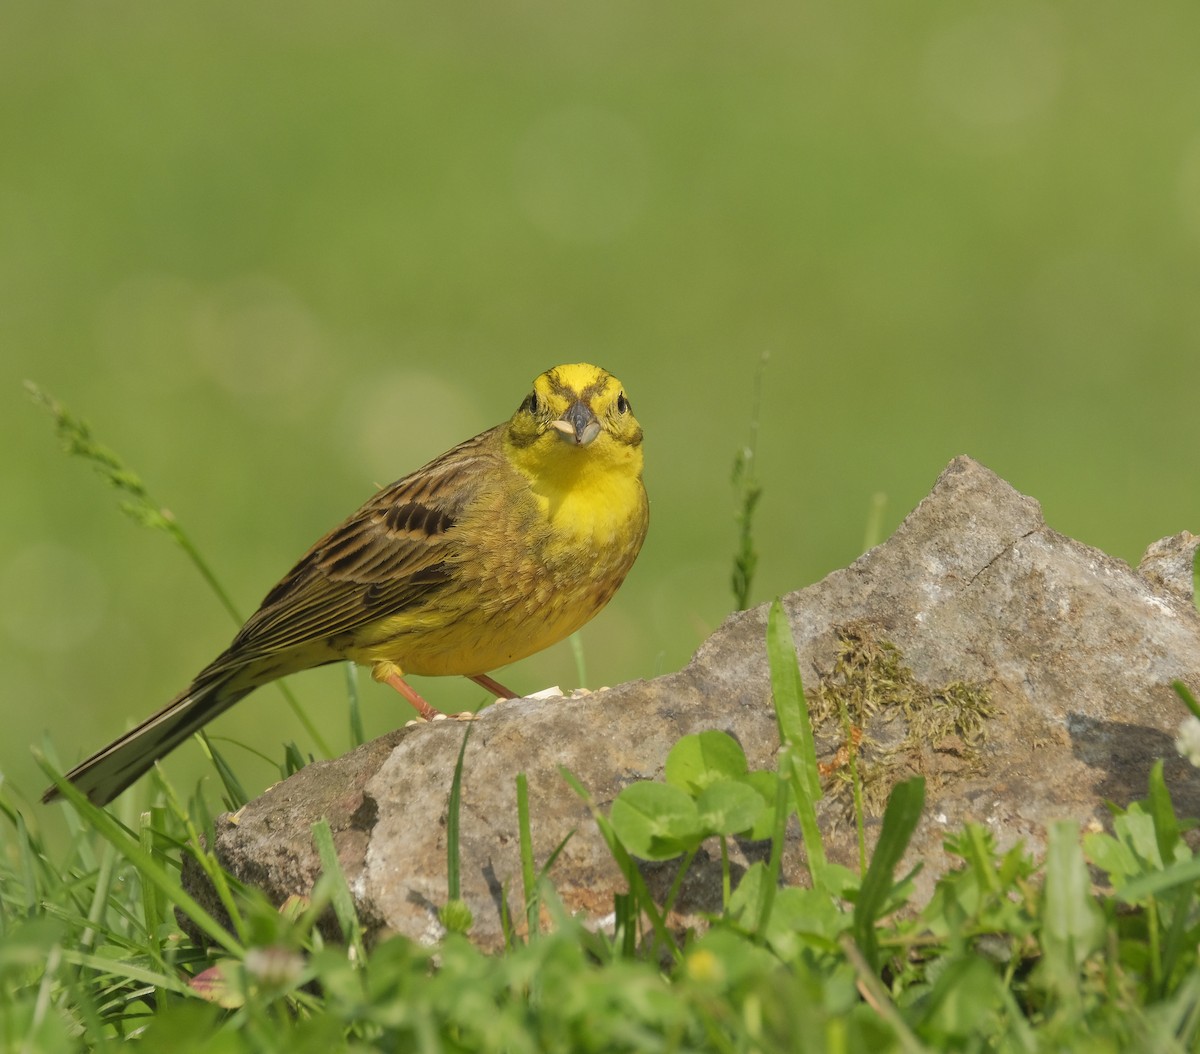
(502, 546)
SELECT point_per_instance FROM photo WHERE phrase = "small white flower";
(274, 966)
(1187, 742)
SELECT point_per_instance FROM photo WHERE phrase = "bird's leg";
(495, 687)
(389, 673)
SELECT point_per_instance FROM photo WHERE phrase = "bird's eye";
(622, 404)
(532, 403)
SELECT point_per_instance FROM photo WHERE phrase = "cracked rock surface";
(1025, 675)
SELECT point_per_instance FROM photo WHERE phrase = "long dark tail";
(109, 771)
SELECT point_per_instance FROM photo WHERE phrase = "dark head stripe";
(560, 387)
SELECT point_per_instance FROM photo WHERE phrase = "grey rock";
(1170, 562)
(1025, 675)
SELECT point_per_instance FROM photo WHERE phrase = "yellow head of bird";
(572, 409)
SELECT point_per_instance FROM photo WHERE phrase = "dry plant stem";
(876, 997)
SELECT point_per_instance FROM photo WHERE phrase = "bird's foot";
(389, 673)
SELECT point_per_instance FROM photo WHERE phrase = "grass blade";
(1185, 694)
(900, 820)
(453, 808)
(877, 997)
(1072, 922)
(154, 907)
(798, 759)
(791, 707)
(339, 891)
(775, 862)
(78, 441)
(576, 642)
(640, 892)
(747, 491)
(358, 735)
(528, 876)
(146, 863)
(235, 793)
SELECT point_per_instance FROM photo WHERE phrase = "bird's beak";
(578, 425)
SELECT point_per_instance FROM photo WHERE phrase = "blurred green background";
(277, 254)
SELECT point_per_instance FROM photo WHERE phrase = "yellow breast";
(532, 564)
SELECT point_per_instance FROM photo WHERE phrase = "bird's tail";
(109, 771)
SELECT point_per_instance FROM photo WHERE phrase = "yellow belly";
(527, 579)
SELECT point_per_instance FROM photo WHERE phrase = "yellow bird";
(499, 548)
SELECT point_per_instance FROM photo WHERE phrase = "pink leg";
(495, 687)
(389, 674)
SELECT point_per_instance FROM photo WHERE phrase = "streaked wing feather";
(386, 558)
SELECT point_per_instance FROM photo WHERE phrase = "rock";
(1027, 676)
(1170, 561)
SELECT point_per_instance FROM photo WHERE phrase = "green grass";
(1093, 948)
(77, 440)
(1011, 954)
(313, 246)
(890, 202)
(747, 491)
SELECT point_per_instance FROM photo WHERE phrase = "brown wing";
(387, 557)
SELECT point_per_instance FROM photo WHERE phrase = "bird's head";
(577, 415)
